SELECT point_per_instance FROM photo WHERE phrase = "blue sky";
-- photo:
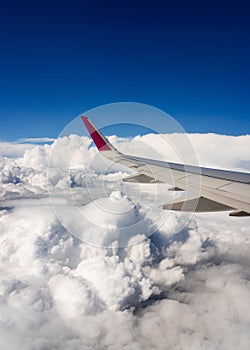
(61, 58)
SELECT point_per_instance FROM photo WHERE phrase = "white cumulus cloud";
(151, 287)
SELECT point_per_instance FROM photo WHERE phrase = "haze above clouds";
(169, 290)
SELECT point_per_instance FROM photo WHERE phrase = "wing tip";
(84, 118)
(89, 126)
(99, 139)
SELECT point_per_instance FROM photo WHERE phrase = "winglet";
(99, 139)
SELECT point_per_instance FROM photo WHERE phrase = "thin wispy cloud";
(36, 140)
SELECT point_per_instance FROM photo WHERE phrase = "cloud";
(36, 139)
(207, 312)
(13, 150)
(212, 150)
(166, 290)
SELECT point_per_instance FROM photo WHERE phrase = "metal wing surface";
(205, 189)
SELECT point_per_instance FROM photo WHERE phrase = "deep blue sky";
(60, 58)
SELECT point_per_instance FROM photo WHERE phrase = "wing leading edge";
(211, 189)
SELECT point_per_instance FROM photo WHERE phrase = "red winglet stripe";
(90, 127)
(100, 142)
(97, 137)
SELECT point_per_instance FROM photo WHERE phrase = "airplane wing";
(208, 189)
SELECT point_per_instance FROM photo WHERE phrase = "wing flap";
(140, 178)
(239, 213)
(199, 205)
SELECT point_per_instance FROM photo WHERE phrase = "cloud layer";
(168, 290)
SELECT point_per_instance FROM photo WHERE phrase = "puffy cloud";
(212, 150)
(13, 150)
(205, 312)
(164, 290)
